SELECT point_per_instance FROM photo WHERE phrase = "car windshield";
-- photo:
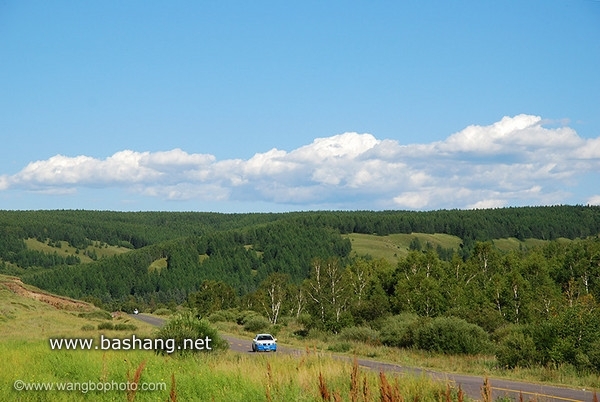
(265, 338)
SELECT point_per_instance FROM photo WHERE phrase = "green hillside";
(90, 253)
(396, 246)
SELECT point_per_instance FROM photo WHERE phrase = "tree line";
(139, 229)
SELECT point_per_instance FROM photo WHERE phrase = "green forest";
(530, 305)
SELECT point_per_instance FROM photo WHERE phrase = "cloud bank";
(515, 161)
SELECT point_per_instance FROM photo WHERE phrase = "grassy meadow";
(97, 248)
(396, 246)
(28, 319)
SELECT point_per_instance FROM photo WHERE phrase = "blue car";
(264, 343)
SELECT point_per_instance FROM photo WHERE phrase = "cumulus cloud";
(594, 200)
(516, 160)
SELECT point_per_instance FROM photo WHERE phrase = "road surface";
(470, 384)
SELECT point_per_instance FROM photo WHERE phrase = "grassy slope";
(395, 246)
(66, 249)
(28, 313)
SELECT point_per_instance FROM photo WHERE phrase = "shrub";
(256, 324)
(318, 335)
(275, 329)
(340, 347)
(223, 316)
(594, 356)
(516, 349)
(453, 336)
(188, 326)
(398, 331)
(360, 334)
(163, 311)
(243, 316)
(125, 327)
(305, 320)
(106, 325)
(301, 333)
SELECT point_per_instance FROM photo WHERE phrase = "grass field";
(396, 246)
(100, 250)
(158, 265)
(28, 319)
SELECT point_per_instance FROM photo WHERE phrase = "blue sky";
(275, 106)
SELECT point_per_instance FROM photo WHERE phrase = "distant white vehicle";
(135, 311)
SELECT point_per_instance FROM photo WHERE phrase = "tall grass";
(218, 376)
(481, 364)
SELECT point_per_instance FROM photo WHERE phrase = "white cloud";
(4, 182)
(594, 200)
(516, 160)
(412, 199)
(484, 204)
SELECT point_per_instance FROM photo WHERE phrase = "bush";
(187, 326)
(594, 356)
(256, 324)
(223, 316)
(163, 311)
(243, 316)
(340, 347)
(453, 336)
(318, 335)
(125, 327)
(275, 329)
(305, 320)
(399, 330)
(360, 334)
(516, 349)
(106, 325)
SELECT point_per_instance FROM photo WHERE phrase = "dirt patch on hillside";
(62, 303)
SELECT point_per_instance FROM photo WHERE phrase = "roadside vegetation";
(511, 292)
(367, 343)
(215, 375)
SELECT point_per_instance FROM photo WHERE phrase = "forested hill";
(546, 223)
(172, 253)
(139, 229)
(130, 229)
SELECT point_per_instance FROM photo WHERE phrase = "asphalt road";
(470, 384)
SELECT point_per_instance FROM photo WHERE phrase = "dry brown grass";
(173, 391)
(131, 391)
(486, 390)
(389, 392)
(323, 391)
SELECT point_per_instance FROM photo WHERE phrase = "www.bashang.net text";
(133, 343)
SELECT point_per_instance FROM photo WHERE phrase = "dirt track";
(63, 303)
